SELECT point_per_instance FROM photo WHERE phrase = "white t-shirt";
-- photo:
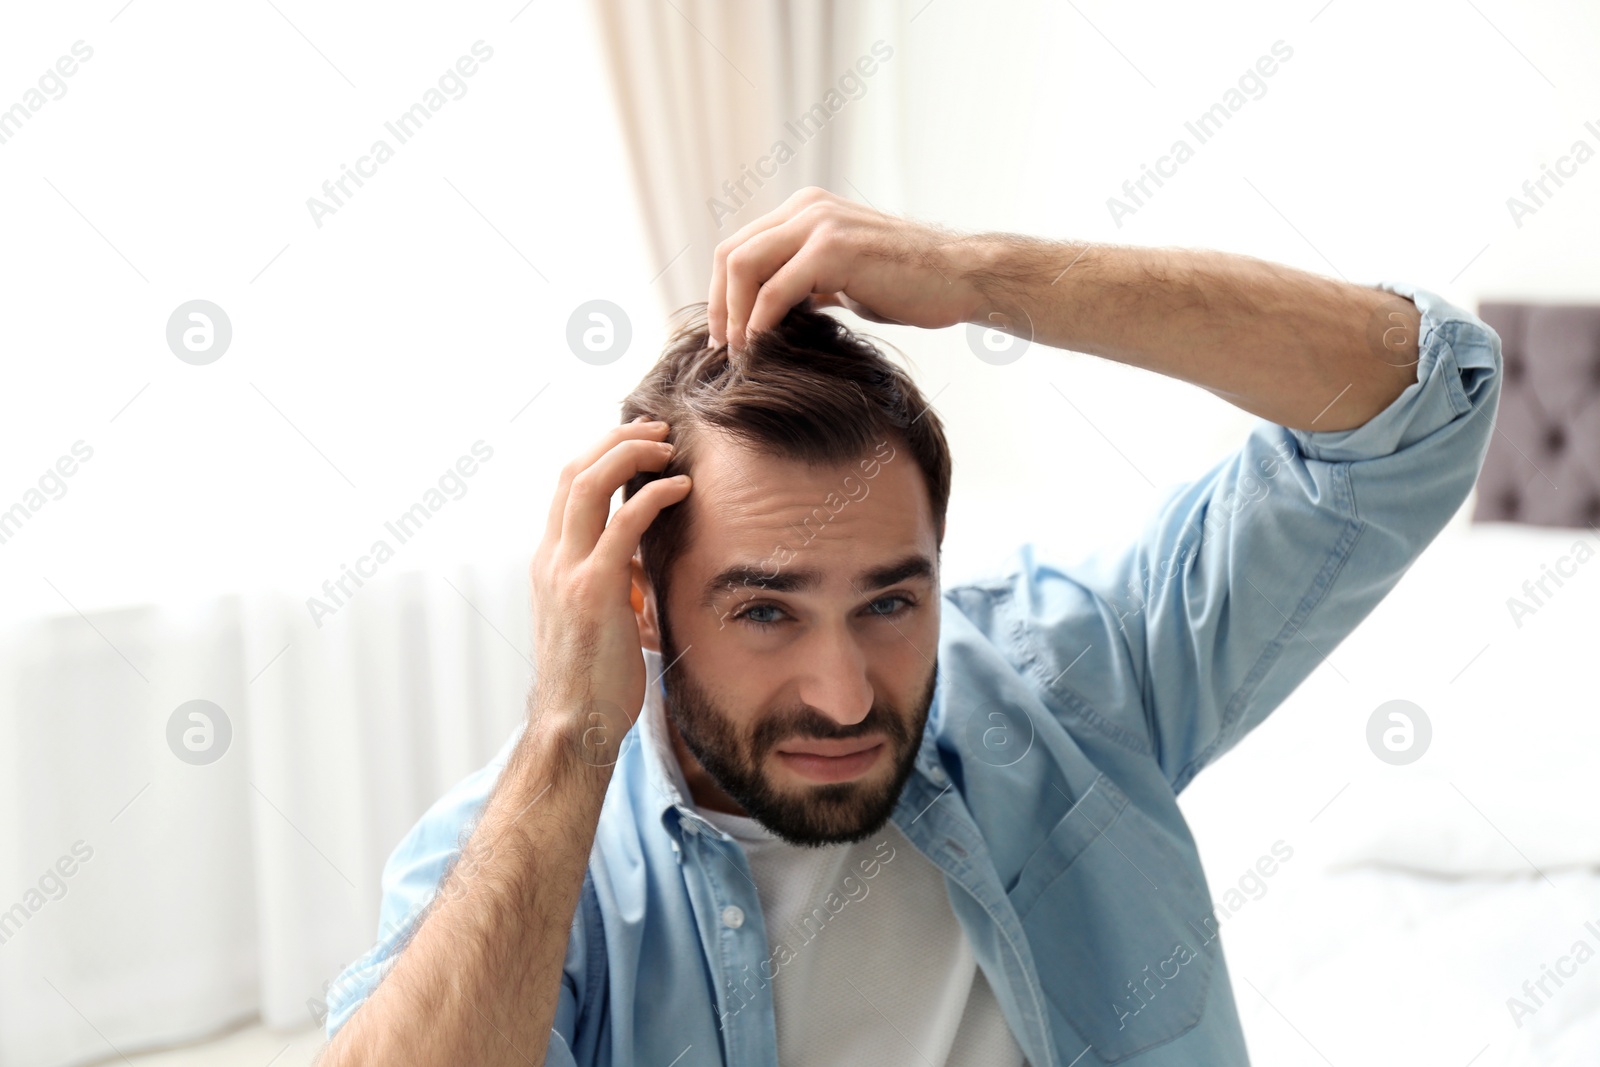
(868, 961)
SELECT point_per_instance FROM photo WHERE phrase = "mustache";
(811, 724)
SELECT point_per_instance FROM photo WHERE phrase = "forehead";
(770, 513)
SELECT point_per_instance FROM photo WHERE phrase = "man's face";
(810, 723)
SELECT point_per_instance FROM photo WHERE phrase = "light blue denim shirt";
(1073, 703)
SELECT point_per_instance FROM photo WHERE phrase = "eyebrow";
(804, 579)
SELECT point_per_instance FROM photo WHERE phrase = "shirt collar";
(669, 790)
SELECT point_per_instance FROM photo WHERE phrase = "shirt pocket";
(1121, 932)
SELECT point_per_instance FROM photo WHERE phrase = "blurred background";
(284, 281)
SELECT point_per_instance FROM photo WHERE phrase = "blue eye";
(745, 615)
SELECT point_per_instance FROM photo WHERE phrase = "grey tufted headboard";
(1543, 464)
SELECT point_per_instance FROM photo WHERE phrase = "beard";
(823, 814)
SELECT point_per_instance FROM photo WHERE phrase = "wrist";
(974, 258)
(582, 736)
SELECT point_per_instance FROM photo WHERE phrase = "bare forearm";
(479, 981)
(1297, 349)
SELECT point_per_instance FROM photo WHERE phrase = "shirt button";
(733, 917)
(936, 773)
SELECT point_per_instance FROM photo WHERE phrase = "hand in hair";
(479, 979)
(586, 637)
(841, 254)
(1301, 350)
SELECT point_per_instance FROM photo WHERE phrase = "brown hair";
(810, 389)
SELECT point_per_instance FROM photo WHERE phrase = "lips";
(834, 761)
(832, 749)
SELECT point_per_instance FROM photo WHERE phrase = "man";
(858, 819)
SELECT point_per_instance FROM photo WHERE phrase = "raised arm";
(1379, 402)
(1247, 579)
(1300, 350)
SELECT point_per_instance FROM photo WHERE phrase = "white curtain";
(215, 892)
(708, 91)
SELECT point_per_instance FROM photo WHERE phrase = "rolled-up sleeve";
(1248, 577)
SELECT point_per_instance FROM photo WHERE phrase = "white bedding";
(1420, 898)
(1376, 968)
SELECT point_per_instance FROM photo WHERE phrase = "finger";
(589, 497)
(558, 505)
(620, 540)
(717, 298)
(750, 266)
(558, 502)
(794, 282)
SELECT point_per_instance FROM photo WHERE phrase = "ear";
(644, 606)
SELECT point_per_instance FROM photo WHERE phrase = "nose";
(834, 677)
